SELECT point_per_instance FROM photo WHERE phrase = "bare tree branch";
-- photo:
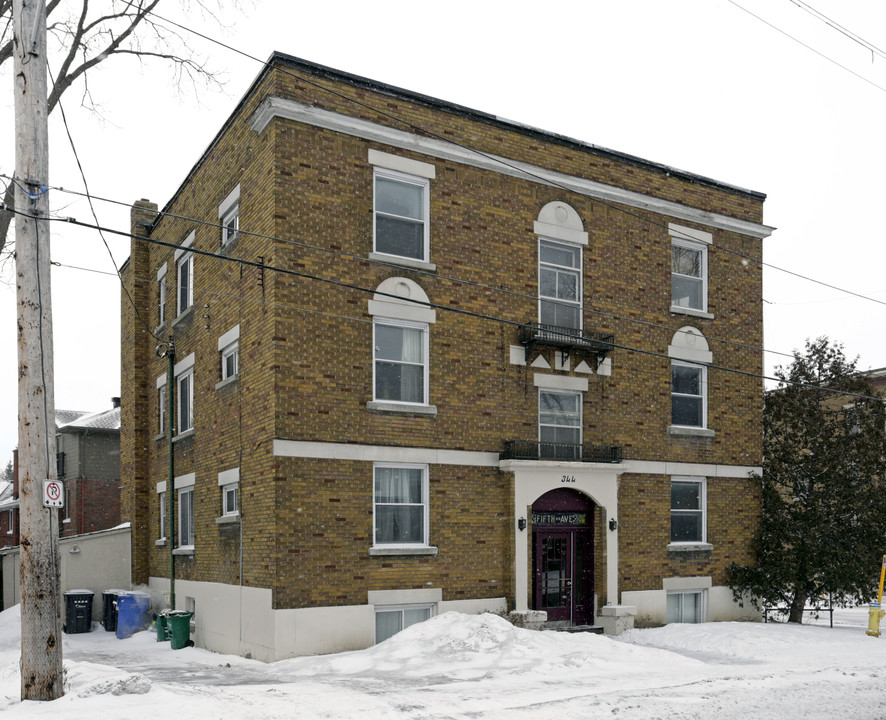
(90, 32)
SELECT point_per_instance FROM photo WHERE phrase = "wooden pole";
(41, 660)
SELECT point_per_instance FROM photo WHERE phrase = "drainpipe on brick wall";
(169, 353)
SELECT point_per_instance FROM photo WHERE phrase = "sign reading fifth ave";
(53, 494)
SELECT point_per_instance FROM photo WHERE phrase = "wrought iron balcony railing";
(533, 450)
(568, 339)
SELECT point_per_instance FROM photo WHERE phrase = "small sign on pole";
(53, 493)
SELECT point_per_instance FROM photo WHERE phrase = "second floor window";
(559, 284)
(401, 215)
(688, 395)
(185, 383)
(230, 358)
(186, 517)
(400, 362)
(163, 409)
(559, 423)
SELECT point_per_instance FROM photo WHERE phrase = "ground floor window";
(392, 619)
(686, 607)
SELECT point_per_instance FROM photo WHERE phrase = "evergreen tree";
(824, 511)
(7, 474)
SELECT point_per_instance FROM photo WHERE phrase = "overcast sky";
(701, 85)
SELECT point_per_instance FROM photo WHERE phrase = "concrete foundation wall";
(719, 606)
(241, 621)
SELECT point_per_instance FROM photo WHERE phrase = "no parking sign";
(53, 493)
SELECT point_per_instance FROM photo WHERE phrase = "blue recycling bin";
(132, 613)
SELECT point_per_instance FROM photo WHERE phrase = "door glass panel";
(554, 573)
(578, 569)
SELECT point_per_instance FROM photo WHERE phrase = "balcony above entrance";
(567, 340)
(532, 450)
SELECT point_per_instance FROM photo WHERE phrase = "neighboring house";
(427, 359)
(88, 464)
(8, 513)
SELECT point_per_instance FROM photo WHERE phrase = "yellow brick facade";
(306, 347)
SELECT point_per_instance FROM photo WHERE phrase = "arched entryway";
(563, 556)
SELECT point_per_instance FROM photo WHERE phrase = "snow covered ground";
(464, 666)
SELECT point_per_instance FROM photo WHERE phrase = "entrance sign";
(559, 518)
(53, 493)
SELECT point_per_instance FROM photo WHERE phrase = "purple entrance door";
(563, 557)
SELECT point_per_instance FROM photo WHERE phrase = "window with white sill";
(559, 284)
(401, 208)
(400, 505)
(229, 485)
(162, 508)
(186, 517)
(184, 387)
(161, 295)
(162, 405)
(400, 362)
(559, 424)
(229, 217)
(688, 510)
(400, 347)
(229, 351)
(184, 273)
(688, 395)
(690, 358)
(689, 269)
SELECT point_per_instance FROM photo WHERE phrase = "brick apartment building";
(427, 359)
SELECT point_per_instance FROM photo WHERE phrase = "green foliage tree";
(824, 509)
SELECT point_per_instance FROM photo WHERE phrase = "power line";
(427, 273)
(839, 28)
(523, 171)
(808, 47)
(92, 209)
(438, 306)
(227, 296)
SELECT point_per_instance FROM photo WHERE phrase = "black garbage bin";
(78, 611)
(109, 609)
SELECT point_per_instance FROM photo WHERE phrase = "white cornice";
(273, 107)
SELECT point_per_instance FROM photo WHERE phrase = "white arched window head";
(400, 347)
(561, 236)
(690, 357)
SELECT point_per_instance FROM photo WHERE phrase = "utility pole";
(41, 663)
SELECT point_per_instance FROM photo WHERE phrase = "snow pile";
(474, 647)
(479, 667)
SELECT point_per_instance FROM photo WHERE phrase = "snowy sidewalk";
(462, 666)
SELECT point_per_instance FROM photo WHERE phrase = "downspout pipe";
(170, 483)
(167, 350)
